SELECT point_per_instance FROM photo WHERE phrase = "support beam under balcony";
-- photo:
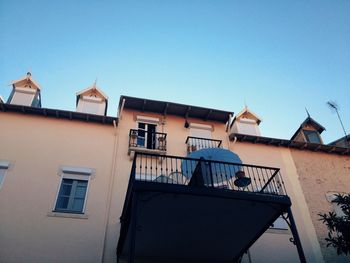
(174, 223)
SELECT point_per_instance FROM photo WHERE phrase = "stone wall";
(319, 174)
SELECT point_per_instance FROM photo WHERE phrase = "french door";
(146, 135)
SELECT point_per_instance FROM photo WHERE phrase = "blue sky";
(277, 56)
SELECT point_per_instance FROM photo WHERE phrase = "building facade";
(85, 187)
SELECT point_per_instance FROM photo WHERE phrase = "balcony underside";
(176, 223)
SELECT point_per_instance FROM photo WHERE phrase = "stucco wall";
(320, 173)
(37, 147)
(280, 157)
(251, 154)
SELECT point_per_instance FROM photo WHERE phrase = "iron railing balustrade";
(207, 173)
(191, 173)
(197, 143)
(147, 140)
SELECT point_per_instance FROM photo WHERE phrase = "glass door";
(146, 135)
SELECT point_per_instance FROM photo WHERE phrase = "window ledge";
(132, 151)
(67, 215)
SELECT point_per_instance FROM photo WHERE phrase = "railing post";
(133, 167)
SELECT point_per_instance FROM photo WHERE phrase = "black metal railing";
(197, 143)
(147, 140)
(207, 173)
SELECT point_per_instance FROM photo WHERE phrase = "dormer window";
(309, 131)
(26, 92)
(92, 101)
(246, 122)
(312, 136)
(91, 105)
(23, 96)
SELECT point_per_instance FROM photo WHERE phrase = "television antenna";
(334, 107)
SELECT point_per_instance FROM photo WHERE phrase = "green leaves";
(338, 226)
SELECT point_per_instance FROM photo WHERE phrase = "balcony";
(194, 210)
(146, 142)
(197, 143)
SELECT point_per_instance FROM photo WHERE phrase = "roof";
(93, 87)
(345, 138)
(58, 114)
(247, 112)
(27, 77)
(164, 107)
(309, 121)
(331, 149)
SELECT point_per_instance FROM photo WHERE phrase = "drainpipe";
(110, 188)
(228, 132)
(234, 140)
(121, 109)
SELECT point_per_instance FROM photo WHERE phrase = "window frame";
(306, 132)
(147, 120)
(147, 133)
(78, 174)
(198, 129)
(4, 167)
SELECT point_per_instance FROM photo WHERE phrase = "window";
(312, 136)
(199, 132)
(2, 176)
(23, 96)
(4, 165)
(248, 126)
(71, 197)
(91, 105)
(146, 135)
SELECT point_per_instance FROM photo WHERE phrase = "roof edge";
(246, 109)
(58, 114)
(27, 77)
(93, 87)
(315, 147)
(167, 103)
